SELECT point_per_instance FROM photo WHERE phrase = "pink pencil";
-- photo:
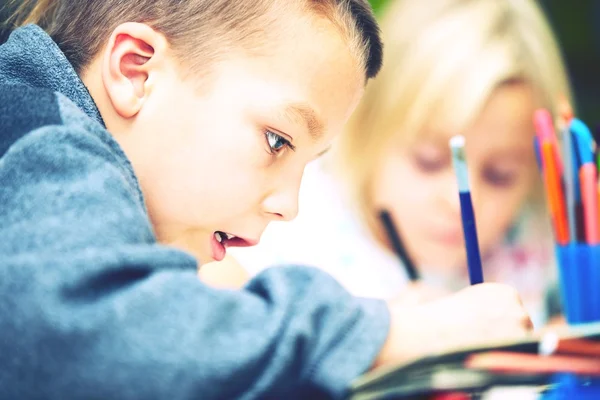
(589, 197)
(544, 128)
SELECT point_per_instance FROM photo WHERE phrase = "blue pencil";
(569, 174)
(538, 153)
(457, 144)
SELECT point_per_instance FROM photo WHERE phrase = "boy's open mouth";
(222, 240)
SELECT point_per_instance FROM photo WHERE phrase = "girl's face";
(228, 159)
(417, 184)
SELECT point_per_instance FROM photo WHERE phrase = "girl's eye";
(276, 143)
(430, 163)
(499, 178)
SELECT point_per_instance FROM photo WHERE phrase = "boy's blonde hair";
(200, 32)
(443, 59)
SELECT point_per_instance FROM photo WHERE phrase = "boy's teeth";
(221, 236)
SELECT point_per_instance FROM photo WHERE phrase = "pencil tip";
(457, 141)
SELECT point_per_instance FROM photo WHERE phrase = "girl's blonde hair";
(199, 31)
(443, 59)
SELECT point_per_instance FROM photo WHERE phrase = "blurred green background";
(377, 4)
(577, 26)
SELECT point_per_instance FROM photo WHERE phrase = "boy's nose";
(282, 204)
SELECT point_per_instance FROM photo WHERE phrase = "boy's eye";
(275, 142)
(498, 177)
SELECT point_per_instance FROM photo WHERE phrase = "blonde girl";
(473, 67)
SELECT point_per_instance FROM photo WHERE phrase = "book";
(535, 362)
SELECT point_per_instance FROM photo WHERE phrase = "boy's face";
(228, 159)
(418, 183)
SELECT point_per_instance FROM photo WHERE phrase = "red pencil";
(544, 127)
(556, 200)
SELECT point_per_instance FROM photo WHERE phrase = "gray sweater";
(91, 306)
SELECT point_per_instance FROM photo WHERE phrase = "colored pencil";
(457, 144)
(553, 193)
(398, 246)
(567, 151)
(544, 127)
(587, 180)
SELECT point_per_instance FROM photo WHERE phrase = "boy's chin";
(202, 258)
(193, 247)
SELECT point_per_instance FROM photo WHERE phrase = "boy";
(134, 151)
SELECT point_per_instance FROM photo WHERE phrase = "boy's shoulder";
(64, 182)
(45, 119)
(24, 109)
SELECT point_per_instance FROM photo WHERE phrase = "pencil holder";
(579, 273)
(569, 387)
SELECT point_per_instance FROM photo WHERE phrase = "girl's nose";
(449, 194)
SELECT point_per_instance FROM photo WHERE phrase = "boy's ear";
(129, 61)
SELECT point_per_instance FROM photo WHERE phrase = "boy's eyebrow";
(304, 113)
